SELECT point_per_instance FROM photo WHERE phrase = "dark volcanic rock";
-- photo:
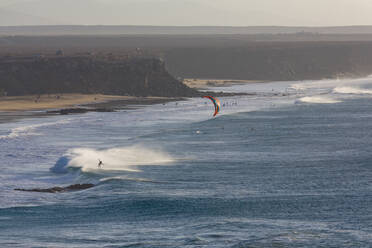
(74, 187)
(79, 110)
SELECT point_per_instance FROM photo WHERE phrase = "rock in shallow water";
(74, 187)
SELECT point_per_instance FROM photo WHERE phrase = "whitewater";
(287, 165)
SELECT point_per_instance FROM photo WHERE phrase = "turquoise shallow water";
(290, 167)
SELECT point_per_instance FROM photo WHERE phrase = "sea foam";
(120, 159)
(319, 99)
(351, 90)
(30, 130)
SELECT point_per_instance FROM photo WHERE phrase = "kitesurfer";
(100, 163)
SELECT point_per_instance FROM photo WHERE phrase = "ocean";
(289, 165)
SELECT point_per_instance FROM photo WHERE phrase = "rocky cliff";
(88, 74)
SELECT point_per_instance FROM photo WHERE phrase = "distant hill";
(164, 30)
(273, 61)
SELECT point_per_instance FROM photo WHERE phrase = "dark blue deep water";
(292, 169)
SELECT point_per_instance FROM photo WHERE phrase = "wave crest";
(115, 159)
(318, 99)
(30, 130)
(351, 90)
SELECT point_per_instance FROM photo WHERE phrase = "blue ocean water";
(288, 167)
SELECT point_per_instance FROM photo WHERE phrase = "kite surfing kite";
(216, 102)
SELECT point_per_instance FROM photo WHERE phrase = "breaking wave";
(126, 178)
(351, 90)
(30, 130)
(319, 99)
(115, 159)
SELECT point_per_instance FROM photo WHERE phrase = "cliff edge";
(88, 75)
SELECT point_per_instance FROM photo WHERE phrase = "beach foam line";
(30, 129)
(125, 178)
(316, 84)
(319, 99)
(351, 90)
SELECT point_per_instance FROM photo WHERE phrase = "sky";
(187, 12)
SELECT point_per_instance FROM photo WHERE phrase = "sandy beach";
(44, 102)
(198, 83)
(18, 107)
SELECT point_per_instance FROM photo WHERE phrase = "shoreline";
(6, 117)
(205, 83)
(53, 101)
(50, 105)
(19, 107)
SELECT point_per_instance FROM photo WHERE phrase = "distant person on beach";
(100, 163)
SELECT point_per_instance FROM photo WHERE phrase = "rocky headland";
(108, 75)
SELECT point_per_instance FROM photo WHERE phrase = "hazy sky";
(188, 12)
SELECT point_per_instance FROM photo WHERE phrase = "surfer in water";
(100, 163)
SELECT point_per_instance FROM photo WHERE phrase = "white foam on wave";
(318, 84)
(30, 130)
(351, 90)
(332, 91)
(352, 86)
(119, 159)
(119, 178)
(319, 99)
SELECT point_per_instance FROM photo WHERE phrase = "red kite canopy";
(216, 102)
